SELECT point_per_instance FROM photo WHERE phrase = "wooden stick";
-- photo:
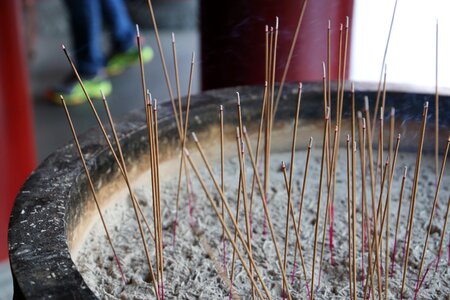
(373, 195)
(414, 193)
(386, 213)
(222, 183)
(238, 203)
(328, 206)
(353, 120)
(291, 52)
(436, 115)
(123, 170)
(267, 130)
(379, 166)
(163, 61)
(158, 197)
(261, 122)
(141, 67)
(222, 158)
(266, 77)
(377, 102)
(290, 211)
(344, 66)
(240, 151)
(339, 85)
(149, 111)
(391, 133)
(274, 64)
(316, 230)
(402, 188)
(224, 225)
(388, 201)
(441, 242)
(366, 226)
(291, 172)
(329, 61)
(91, 186)
(177, 80)
(349, 196)
(183, 143)
(269, 221)
(430, 222)
(305, 176)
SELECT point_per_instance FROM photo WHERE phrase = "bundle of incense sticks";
(374, 208)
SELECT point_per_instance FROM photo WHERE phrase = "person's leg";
(86, 25)
(124, 49)
(86, 22)
(123, 31)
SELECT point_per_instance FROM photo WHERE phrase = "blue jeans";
(86, 22)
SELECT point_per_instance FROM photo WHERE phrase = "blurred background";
(228, 38)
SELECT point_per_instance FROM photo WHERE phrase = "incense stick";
(305, 176)
(240, 151)
(328, 209)
(441, 242)
(163, 61)
(227, 231)
(353, 188)
(349, 196)
(291, 52)
(402, 188)
(183, 143)
(290, 213)
(316, 230)
(291, 172)
(383, 65)
(414, 193)
(261, 122)
(436, 115)
(430, 222)
(92, 188)
(122, 169)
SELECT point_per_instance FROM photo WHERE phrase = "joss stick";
(350, 268)
(163, 61)
(183, 143)
(224, 225)
(290, 211)
(291, 52)
(414, 193)
(261, 122)
(436, 115)
(222, 183)
(291, 171)
(91, 186)
(305, 176)
(383, 65)
(328, 208)
(316, 230)
(402, 189)
(441, 242)
(122, 169)
(430, 222)
(353, 120)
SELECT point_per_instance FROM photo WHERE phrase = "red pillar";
(233, 39)
(17, 149)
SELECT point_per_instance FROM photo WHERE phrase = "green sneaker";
(119, 62)
(73, 93)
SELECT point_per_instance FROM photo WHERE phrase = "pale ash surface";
(190, 273)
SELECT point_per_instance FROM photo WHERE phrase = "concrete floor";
(49, 66)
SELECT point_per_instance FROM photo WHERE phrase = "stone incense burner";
(54, 209)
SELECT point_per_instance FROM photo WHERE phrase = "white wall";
(411, 55)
